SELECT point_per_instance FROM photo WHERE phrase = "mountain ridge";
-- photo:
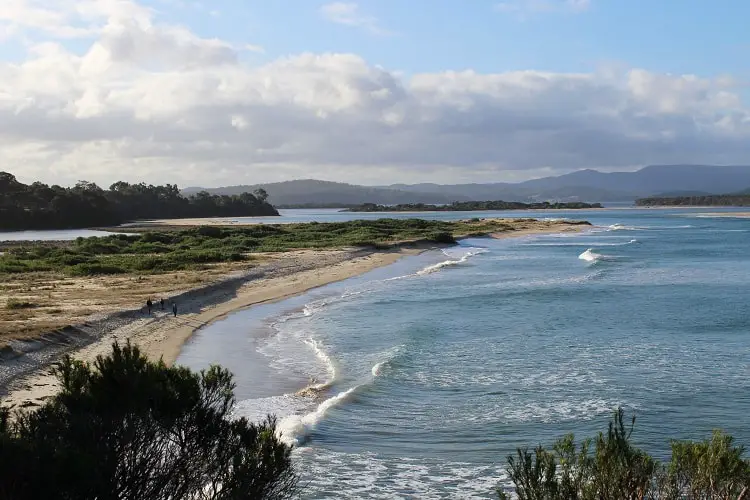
(583, 185)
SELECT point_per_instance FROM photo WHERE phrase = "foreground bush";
(128, 428)
(609, 467)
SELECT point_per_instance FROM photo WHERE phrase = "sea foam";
(590, 256)
(451, 262)
(294, 429)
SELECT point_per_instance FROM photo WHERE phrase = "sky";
(224, 92)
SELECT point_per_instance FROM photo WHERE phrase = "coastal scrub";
(125, 427)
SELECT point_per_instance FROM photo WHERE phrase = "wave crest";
(294, 429)
(590, 256)
(451, 262)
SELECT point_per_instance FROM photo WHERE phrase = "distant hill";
(677, 194)
(719, 200)
(592, 185)
(314, 192)
(581, 186)
(472, 206)
(734, 199)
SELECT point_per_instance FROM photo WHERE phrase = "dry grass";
(55, 300)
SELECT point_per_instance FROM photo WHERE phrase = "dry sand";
(25, 374)
(213, 221)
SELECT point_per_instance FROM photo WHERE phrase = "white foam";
(353, 476)
(451, 262)
(327, 361)
(590, 256)
(294, 429)
(584, 244)
(377, 367)
(622, 227)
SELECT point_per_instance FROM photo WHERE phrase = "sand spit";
(25, 365)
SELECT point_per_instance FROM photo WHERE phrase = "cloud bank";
(144, 100)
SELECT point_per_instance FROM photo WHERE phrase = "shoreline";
(162, 336)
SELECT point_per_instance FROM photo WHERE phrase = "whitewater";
(418, 379)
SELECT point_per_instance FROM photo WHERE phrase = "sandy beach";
(25, 374)
(160, 335)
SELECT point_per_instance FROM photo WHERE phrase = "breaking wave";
(451, 262)
(622, 227)
(584, 244)
(316, 387)
(590, 256)
(295, 429)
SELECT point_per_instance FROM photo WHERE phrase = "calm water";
(436, 368)
(50, 235)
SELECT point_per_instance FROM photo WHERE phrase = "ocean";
(432, 370)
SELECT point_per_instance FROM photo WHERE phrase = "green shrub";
(210, 231)
(442, 237)
(129, 428)
(19, 304)
(94, 269)
(609, 467)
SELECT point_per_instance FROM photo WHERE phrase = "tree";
(261, 194)
(38, 206)
(128, 428)
(709, 470)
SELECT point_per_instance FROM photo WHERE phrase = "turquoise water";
(433, 370)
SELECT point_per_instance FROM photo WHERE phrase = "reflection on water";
(51, 235)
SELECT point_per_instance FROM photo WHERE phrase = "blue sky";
(374, 91)
(686, 36)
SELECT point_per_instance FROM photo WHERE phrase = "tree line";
(722, 200)
(467, 206)
(40, 206)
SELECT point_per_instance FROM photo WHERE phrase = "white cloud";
(348, 13)
(525, 8)
(156, 102)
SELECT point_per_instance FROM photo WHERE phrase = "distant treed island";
(719, 200)
(39, 206)
(469, 206)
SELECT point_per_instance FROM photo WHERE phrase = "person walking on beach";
(162, 304)
(149, 304)
(174, 309)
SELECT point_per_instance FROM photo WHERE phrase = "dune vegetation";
(610, 467)
(194, 248)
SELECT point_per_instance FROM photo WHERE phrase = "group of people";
(150, 305)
